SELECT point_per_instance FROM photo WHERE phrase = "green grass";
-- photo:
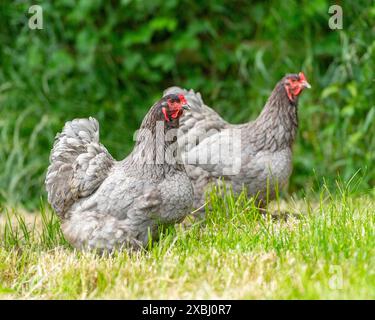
(236, 254)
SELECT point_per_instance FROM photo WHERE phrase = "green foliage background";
(113, 59)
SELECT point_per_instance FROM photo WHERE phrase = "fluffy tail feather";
(78, 164)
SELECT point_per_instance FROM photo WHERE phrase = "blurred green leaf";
(112, 59)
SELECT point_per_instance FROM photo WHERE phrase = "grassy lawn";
(235, 254)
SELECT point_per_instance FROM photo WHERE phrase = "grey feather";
(106, 204)
(79, 164)
(265, 155)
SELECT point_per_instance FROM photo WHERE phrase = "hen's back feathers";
(78, 164)
(244, 155)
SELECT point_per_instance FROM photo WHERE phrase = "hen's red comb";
(182, 99)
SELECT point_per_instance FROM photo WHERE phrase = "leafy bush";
(113, 59)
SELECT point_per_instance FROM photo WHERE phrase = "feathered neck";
(277, 124)
(156, 145)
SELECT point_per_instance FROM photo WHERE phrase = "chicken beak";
(186, 107)
(305, 84)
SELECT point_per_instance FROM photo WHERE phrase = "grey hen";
(105, 204)
(256, 156)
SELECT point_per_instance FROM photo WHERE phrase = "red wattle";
(165, 114)
(289, 94)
